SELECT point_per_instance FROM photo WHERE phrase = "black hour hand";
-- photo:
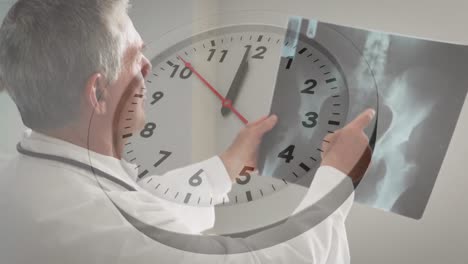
(235, 85)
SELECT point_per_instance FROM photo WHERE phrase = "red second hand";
(225, 102)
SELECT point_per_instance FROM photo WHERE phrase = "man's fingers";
(330, 137)
(256, 122)
(329, 140)
(363, 120)
(266, 125)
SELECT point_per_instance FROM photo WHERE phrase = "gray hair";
(50, 48)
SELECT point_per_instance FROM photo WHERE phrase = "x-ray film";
(328, 74)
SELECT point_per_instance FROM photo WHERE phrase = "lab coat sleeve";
(324, 243)
(326, 179)
(215, 179)
(213, 187)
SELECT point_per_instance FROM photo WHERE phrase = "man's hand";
(244, 150)
(348, 148)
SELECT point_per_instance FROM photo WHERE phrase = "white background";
(375, 236)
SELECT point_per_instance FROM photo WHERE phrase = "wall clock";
(212, 78)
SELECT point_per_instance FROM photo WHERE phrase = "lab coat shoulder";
(40, 187)
(54, 189)
(58, 214)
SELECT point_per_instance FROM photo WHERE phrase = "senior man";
(69, 64)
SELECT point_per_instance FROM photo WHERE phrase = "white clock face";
(185, 123)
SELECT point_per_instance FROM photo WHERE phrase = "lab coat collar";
(40, 143)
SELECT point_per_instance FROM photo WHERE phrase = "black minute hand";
(236, 84)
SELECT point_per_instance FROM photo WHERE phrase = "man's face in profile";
(131, 81)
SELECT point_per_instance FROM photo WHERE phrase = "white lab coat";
(52, 212)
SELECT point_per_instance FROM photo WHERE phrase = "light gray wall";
(374, 236)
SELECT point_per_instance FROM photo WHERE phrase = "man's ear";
(95, 93)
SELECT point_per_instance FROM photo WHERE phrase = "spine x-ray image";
(417, 86)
